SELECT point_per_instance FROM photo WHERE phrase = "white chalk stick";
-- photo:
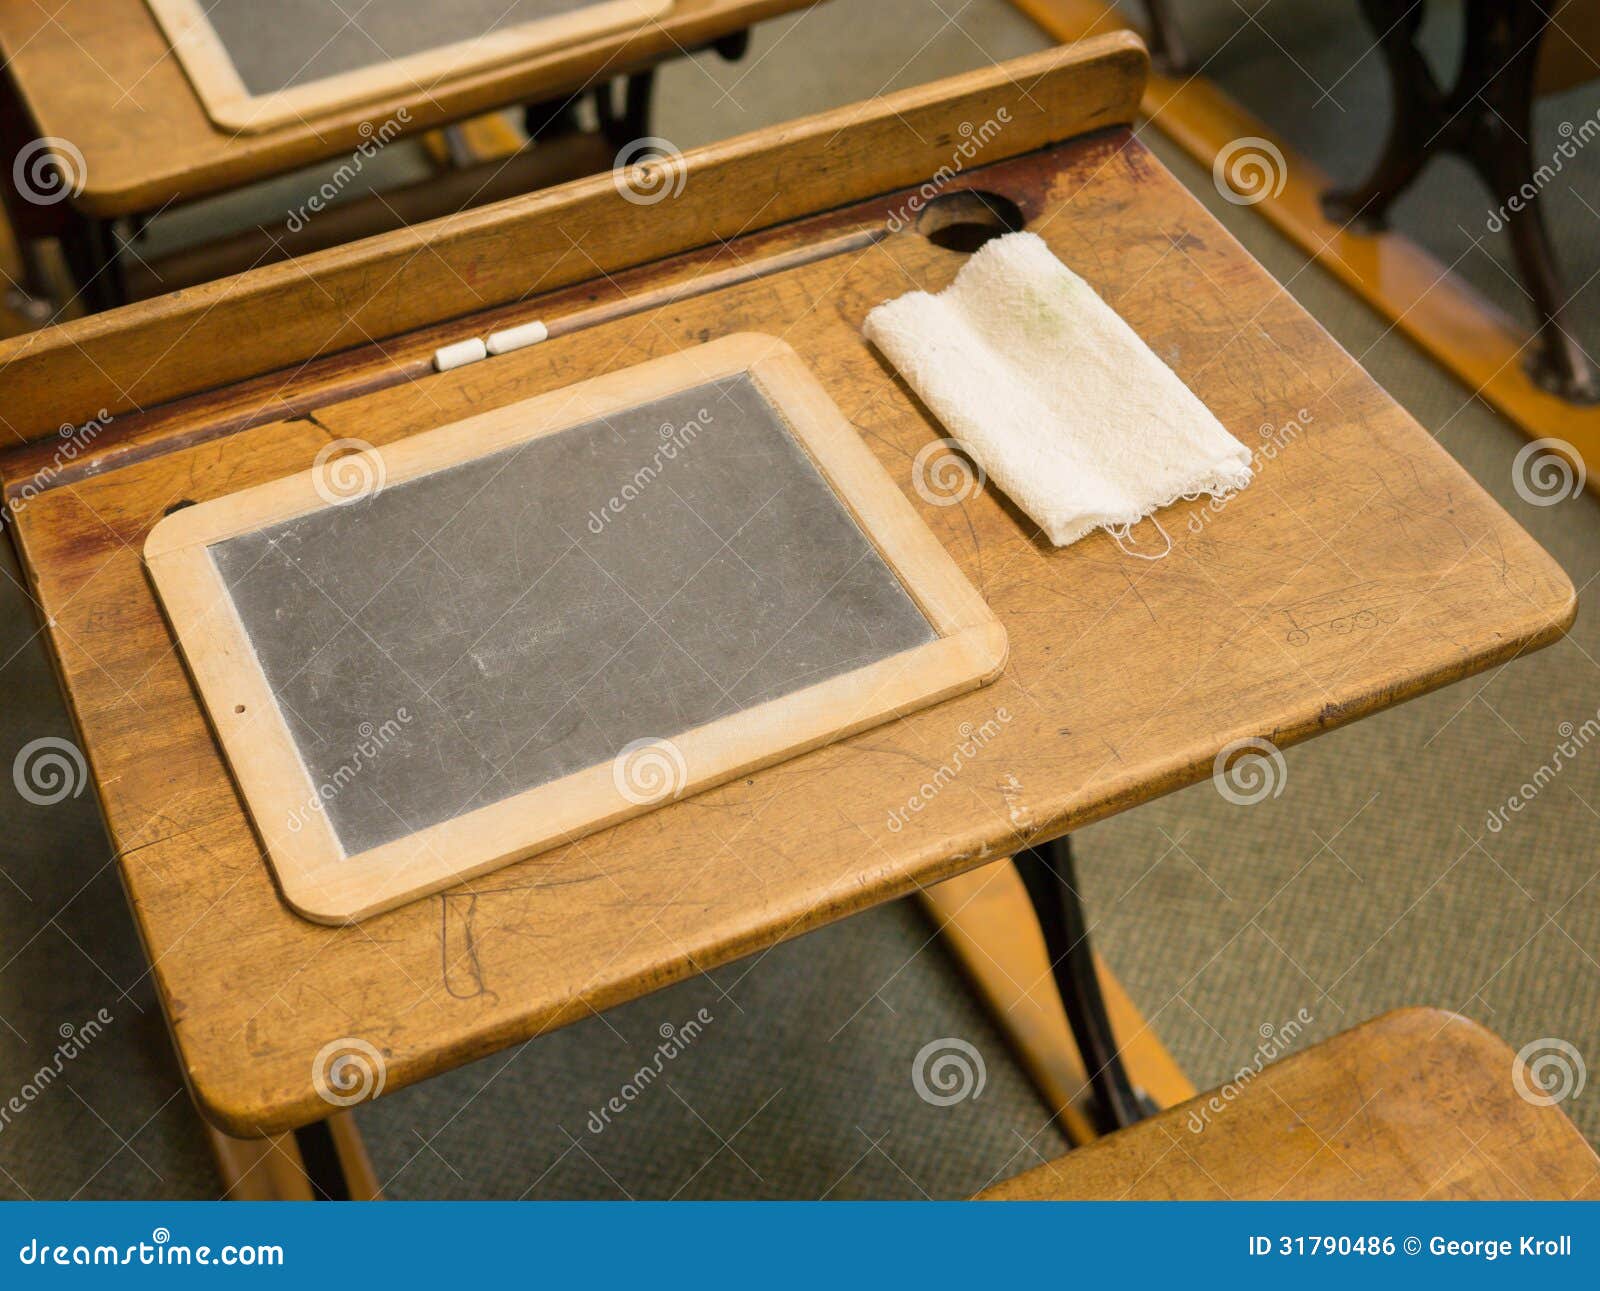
(459, 355)
(515, 338)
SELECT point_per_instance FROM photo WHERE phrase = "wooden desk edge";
(233, 1102)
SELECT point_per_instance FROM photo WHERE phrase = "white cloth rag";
(1053, 395)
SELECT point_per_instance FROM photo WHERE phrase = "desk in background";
(100, 76)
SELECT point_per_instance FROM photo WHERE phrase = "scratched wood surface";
(1363, 566)
(101, 73)
(1417, 1105)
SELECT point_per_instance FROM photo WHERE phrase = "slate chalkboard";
(523, 645)
(258, 62)
(470, 645)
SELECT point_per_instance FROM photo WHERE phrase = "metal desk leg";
(1485, 117)
(1167, 50)
(633, 122)
(91, 250)
(324, 1170)
(1051, 880)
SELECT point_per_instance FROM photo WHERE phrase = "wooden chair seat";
(1415, 1104)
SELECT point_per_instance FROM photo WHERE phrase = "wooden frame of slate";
(230, 103)
(965, 648)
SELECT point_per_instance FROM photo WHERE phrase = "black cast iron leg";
(91, 251)
(1486, 118)
(1167, 51)
(1415, 110)
(320, 1158)
(639, 94)
(1051, 881)
(1502, 56)
(551, 119)
(634, 121)
(734, 46)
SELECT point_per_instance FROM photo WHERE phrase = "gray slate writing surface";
(459, 638)
(278, 44)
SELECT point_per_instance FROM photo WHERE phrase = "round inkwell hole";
(238, 708)
(964, 221)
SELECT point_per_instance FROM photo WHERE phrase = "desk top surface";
(1363, 566)
(101, 75)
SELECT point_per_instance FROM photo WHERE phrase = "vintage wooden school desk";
(101, 76)
(1362, 567)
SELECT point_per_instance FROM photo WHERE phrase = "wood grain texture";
(1363, 566)
(102, 74)
(327, 883)
(231, 106)
(1416, 1105)
(159, 350)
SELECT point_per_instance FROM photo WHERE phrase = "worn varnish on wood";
(1418, 1105)
(427, 660)
(258, 65)
(1361, 567)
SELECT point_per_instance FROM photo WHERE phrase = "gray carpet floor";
(1370, 883)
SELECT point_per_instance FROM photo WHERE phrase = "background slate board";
(533, 618)
(278, 44)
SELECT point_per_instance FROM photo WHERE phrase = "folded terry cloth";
(1054, 396)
